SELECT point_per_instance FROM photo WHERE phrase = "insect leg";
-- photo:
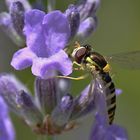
(73, 78)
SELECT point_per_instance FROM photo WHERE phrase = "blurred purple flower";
(12, 22)
(54, 110)
(82, 18)
(6, 128)
(87, 10)
(87, 27)
(46, 37)
(25, 3)
(103, 131)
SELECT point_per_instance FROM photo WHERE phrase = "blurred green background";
(118, 31)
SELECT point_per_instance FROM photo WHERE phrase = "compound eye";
(79, 54)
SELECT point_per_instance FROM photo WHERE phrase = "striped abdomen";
(110, 96)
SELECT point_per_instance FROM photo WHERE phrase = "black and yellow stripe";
(110, 96)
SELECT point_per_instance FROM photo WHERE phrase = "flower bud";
(87, 8)
(74, 19)
(18, 100)
(63, 110)
(25, 4)
(46, 94)
(87, 27)
(17, 17)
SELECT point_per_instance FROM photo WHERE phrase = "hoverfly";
(97, 65)
(99, 68)
(102, 85)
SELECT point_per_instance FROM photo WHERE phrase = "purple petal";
(101, 131)
(33, 21)
(112, 132)
(22, 59)
(57, 31)
(34, 32)
(45, 68)
(6, 128)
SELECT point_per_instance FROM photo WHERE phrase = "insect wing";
(128, 60)
(100, 99)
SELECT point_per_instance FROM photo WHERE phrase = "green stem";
(51, 5)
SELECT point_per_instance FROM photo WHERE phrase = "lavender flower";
(19, 100)
(53, 110)
(12, 23)
(6, 127)
(46, 113)
(82, 18)
(47, 36)
(49, 114)
(87, 10)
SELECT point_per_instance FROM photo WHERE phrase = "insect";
(99, 68)
(87, 59)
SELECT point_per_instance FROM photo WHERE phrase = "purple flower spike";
(47, 36)
(6, 128)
